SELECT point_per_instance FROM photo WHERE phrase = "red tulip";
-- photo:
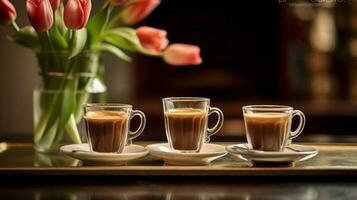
(138, 9)
(40, 14)
(55, 4)
(7, 12)
(117, 2)
(76, 13)
(152, 38)
(182, 54)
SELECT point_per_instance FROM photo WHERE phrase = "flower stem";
(104, 5)
(73, 37)
(49, 40)
(15, 26)
(116, 20)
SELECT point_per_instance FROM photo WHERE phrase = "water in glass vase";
(49, 132)
(67, 84)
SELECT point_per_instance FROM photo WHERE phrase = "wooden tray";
(20, 159)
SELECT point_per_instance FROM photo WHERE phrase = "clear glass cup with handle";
(108, 126)
(268, 127)
(186, 122)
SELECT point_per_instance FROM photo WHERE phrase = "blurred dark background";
(299, 53)
(240, 47)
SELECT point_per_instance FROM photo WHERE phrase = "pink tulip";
(76, 13)
(40, 14)
(55, 4)
(138, 9)
(182, 54)
(117, 2)
(152, 38)
(7, 12)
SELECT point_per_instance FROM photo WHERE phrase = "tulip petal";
(182, 54)
(152, 39)
(138, 10)
(73, 14)
(87, 8)
(40, 14)
(7, 12)
(55, 4)
(76, 13)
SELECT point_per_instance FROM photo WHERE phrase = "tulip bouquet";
(68, 42)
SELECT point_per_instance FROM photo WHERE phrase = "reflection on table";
(187, 190)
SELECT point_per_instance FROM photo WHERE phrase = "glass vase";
(67, 83)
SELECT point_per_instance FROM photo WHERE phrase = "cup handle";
(135, 134)
(297, 132)
(219, 124)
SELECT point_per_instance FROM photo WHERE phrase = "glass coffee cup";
(108, 126)
(268, 127)
(186, 120)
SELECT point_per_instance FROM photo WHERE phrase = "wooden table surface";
(332, 160)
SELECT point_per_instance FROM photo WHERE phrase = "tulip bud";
(138, 9)
(7, 12)
(55, 4)
(117, 2)
(182, 54)
(76, 13)
(152, 39)
(40, 14)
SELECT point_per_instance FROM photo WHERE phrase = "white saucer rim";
(99, 154)
(296, 158)
(186, 159)
(230, 149)
(152, 148)
(277, 157)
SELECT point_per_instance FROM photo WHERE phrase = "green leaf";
(58, 30)
(46, 129)
(41, 126)
(72, 131)
(68, 102)
(67, 35)
(116, 51)
(96, 25)
(121, 42)
(78, 41)
(49, 135)
(127, 39)
(60, 21)
(27, 37)
(57, 38)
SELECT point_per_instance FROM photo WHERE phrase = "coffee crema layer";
(267, 131)
(186, 128)
(107, 130)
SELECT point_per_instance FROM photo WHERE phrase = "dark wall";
(240, 44)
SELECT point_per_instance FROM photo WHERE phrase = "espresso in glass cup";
(186, 120)
(268, 127)
(108, 126)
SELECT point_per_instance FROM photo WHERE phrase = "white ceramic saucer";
(82, 152)
(208, 153)
(292, 153)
